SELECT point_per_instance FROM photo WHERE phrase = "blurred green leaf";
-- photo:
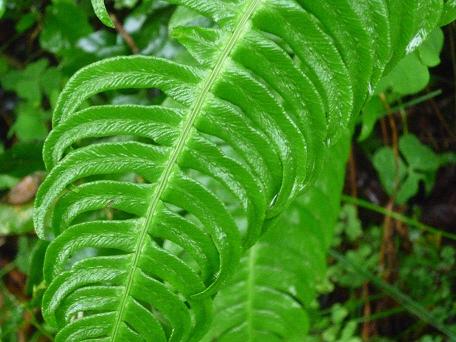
(338, 313)
(409, 187)
(26, 21)
(3, 66)
(35, 271)
(51, 84)
(447, 158)
(373, 111)
(27, 83)
(51, 81)
(449, 12)
(338, 328)
(29, 89)
(418, 155)
(35, 69)
(349, 333)
(7, 181)
(416, 163)
(22, 159)
(2, 7)
(64, 24)
(15, 219)
(348, 223)
(29, 125)
(31, 84)
(143, 31)
(429, 51)
(390, 173)
(11, 315)
(102, 44)
(24, 246)
(125, 3)
(409, 76)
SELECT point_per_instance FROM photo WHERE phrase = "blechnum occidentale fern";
(194, 182)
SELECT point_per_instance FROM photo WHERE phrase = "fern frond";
(266, 299)
(274, 83)
(101, 12)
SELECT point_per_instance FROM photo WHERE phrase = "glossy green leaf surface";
(449, 12)
(267, 297)
(150, 207)
(101, 12)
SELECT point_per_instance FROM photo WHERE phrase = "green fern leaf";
(101, 12)
(273, 84)
(267, 297)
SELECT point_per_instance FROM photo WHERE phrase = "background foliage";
(402, 161)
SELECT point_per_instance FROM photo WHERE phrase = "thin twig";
(442, 120)
(352, 173)
(384, 131)
(368, 327)
(394, 137)
(407, 220)
(387, 248)
(124, 34)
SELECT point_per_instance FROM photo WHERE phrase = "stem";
(124, 34)
(405, 219)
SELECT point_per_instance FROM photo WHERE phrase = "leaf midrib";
(182, 140)
(250, 284)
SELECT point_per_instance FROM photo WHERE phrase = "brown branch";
(387, 248)
(124, 34)
(352, 173)
(388, 258)
(368, 326)
(442, 120)
(385, 138)
(394, 139)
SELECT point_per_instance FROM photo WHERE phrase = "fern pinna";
(195, 181)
